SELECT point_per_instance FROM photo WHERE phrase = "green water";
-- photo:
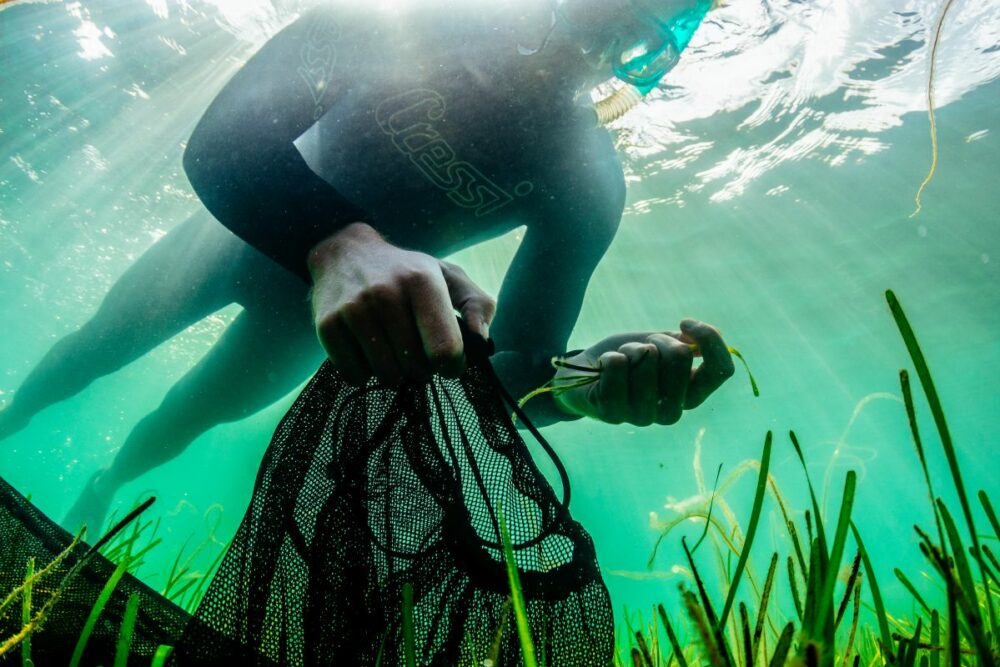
(770, 190)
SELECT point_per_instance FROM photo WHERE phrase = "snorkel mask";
(642, 58)
(640, 49)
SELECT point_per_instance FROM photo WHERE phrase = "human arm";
(538, 306)
(241, 159)
(388, 312)
(640, 378)
(379, 310)
(545, 286)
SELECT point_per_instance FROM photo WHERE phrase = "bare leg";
(182, 278)
(262, 356)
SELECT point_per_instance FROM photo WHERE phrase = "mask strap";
(527, 50)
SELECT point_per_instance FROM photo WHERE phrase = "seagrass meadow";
(800, 159)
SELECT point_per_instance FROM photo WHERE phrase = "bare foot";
(11, 421)
(90, 509)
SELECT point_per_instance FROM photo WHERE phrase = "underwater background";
(771, 186)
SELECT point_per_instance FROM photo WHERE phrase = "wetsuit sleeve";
(241, 160)
(542, 295)
(581, 198)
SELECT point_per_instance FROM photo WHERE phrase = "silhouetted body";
(198, 268)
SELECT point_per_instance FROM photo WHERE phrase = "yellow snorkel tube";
(617, 104)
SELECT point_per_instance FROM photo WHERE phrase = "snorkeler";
(355, 149)
(358, 146)
(195, 270)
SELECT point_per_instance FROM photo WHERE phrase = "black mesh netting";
(363, 492)
(67, 584)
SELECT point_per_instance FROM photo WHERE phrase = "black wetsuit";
(435, 130)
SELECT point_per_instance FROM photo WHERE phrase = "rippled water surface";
(771, 186)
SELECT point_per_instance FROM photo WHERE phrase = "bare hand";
(390, 313)
(649, 378)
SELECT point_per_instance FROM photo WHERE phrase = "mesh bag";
(365, 492)
(69, 579)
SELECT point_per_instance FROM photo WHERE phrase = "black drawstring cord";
(521, 415)
(478, 350)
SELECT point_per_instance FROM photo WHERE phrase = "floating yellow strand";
(36, 576)
(753, 383)
(42, 614)
(930, 109)
(571, 382)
